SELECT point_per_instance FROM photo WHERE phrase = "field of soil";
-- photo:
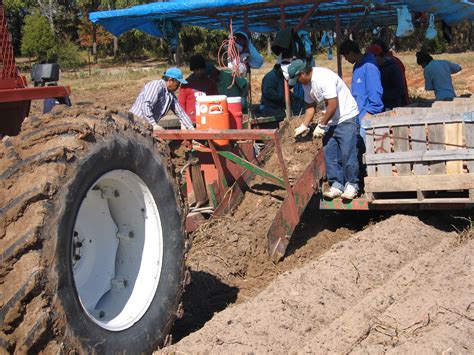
(351, 282)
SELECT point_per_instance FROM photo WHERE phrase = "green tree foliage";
(38, 39)
(16, 10)
(198, 40)
(69, 56)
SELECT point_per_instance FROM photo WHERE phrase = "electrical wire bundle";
(229, 56)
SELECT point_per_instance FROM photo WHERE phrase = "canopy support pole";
(286, 85)
(387, 33)
(249, 70)
(338, 44)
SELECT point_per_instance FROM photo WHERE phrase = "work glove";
(302, 130)
(319, 131)
(157, 127)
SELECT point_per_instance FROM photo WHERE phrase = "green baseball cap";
(296, 67)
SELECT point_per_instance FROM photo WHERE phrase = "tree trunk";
(115, 46)
(51, 20)
(179, 51)
(269, 45)
(94, 42)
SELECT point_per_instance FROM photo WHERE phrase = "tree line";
(59, 30)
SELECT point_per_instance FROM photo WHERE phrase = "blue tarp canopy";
(265, 16)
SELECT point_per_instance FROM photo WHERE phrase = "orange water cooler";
(212, 113)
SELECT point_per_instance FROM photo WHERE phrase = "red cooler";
(234, 105)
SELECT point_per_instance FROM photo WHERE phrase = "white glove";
(157, 127)
(302, 130)
(319, 131)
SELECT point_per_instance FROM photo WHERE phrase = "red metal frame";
(231, 189)
(288, 216)
(15, 97)
(34, 93)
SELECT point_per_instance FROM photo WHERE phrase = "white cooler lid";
(234, 99)
(211, 98)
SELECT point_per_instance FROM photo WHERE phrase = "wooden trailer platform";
(418, 158)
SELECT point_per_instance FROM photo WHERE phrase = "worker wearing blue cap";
(157, 98)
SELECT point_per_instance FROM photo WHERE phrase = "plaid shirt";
(154, 102)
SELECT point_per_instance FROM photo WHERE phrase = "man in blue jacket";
(366, 85)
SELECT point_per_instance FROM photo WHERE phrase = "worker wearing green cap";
(338, 127)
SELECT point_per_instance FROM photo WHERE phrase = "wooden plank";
(382, 147)
(420, 156)
(369, 149)
(405, 111)
(454, 108)
(453, 135)
(436, 134)
(376, 122)
(455, 102)
(401, 144)
(419, 183)
(406, 201)
(469, 134)
(418, 134)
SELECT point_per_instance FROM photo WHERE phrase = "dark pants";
(340, 154)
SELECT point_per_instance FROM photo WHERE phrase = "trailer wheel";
(99, 264)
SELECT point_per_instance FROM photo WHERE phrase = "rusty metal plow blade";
(289, 214)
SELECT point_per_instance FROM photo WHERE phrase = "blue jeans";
(340, 154)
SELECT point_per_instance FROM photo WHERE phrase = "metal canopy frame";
(255, 15)
(317, 15)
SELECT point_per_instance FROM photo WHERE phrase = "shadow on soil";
(314, 221)
(203, 297)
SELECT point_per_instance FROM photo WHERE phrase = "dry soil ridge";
(398, 286)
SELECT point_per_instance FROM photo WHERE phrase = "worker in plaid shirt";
(157, 98)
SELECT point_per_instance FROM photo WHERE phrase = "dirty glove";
(157, 127)
(319, 131)
(302, 130)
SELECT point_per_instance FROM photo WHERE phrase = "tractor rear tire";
(91, 235)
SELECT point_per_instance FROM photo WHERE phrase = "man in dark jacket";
(401, 66)
(272, 102)
(392, 79)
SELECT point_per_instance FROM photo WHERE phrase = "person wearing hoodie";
(392, 78)
(366, 85)
(388, 53)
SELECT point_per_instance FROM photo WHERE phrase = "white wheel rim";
(117, 250)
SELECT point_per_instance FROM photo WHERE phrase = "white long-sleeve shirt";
(154, 101)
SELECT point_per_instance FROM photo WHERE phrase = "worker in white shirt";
(338, 127)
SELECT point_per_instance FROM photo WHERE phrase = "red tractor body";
(15, 96)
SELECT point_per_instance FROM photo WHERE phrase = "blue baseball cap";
(176, 74)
